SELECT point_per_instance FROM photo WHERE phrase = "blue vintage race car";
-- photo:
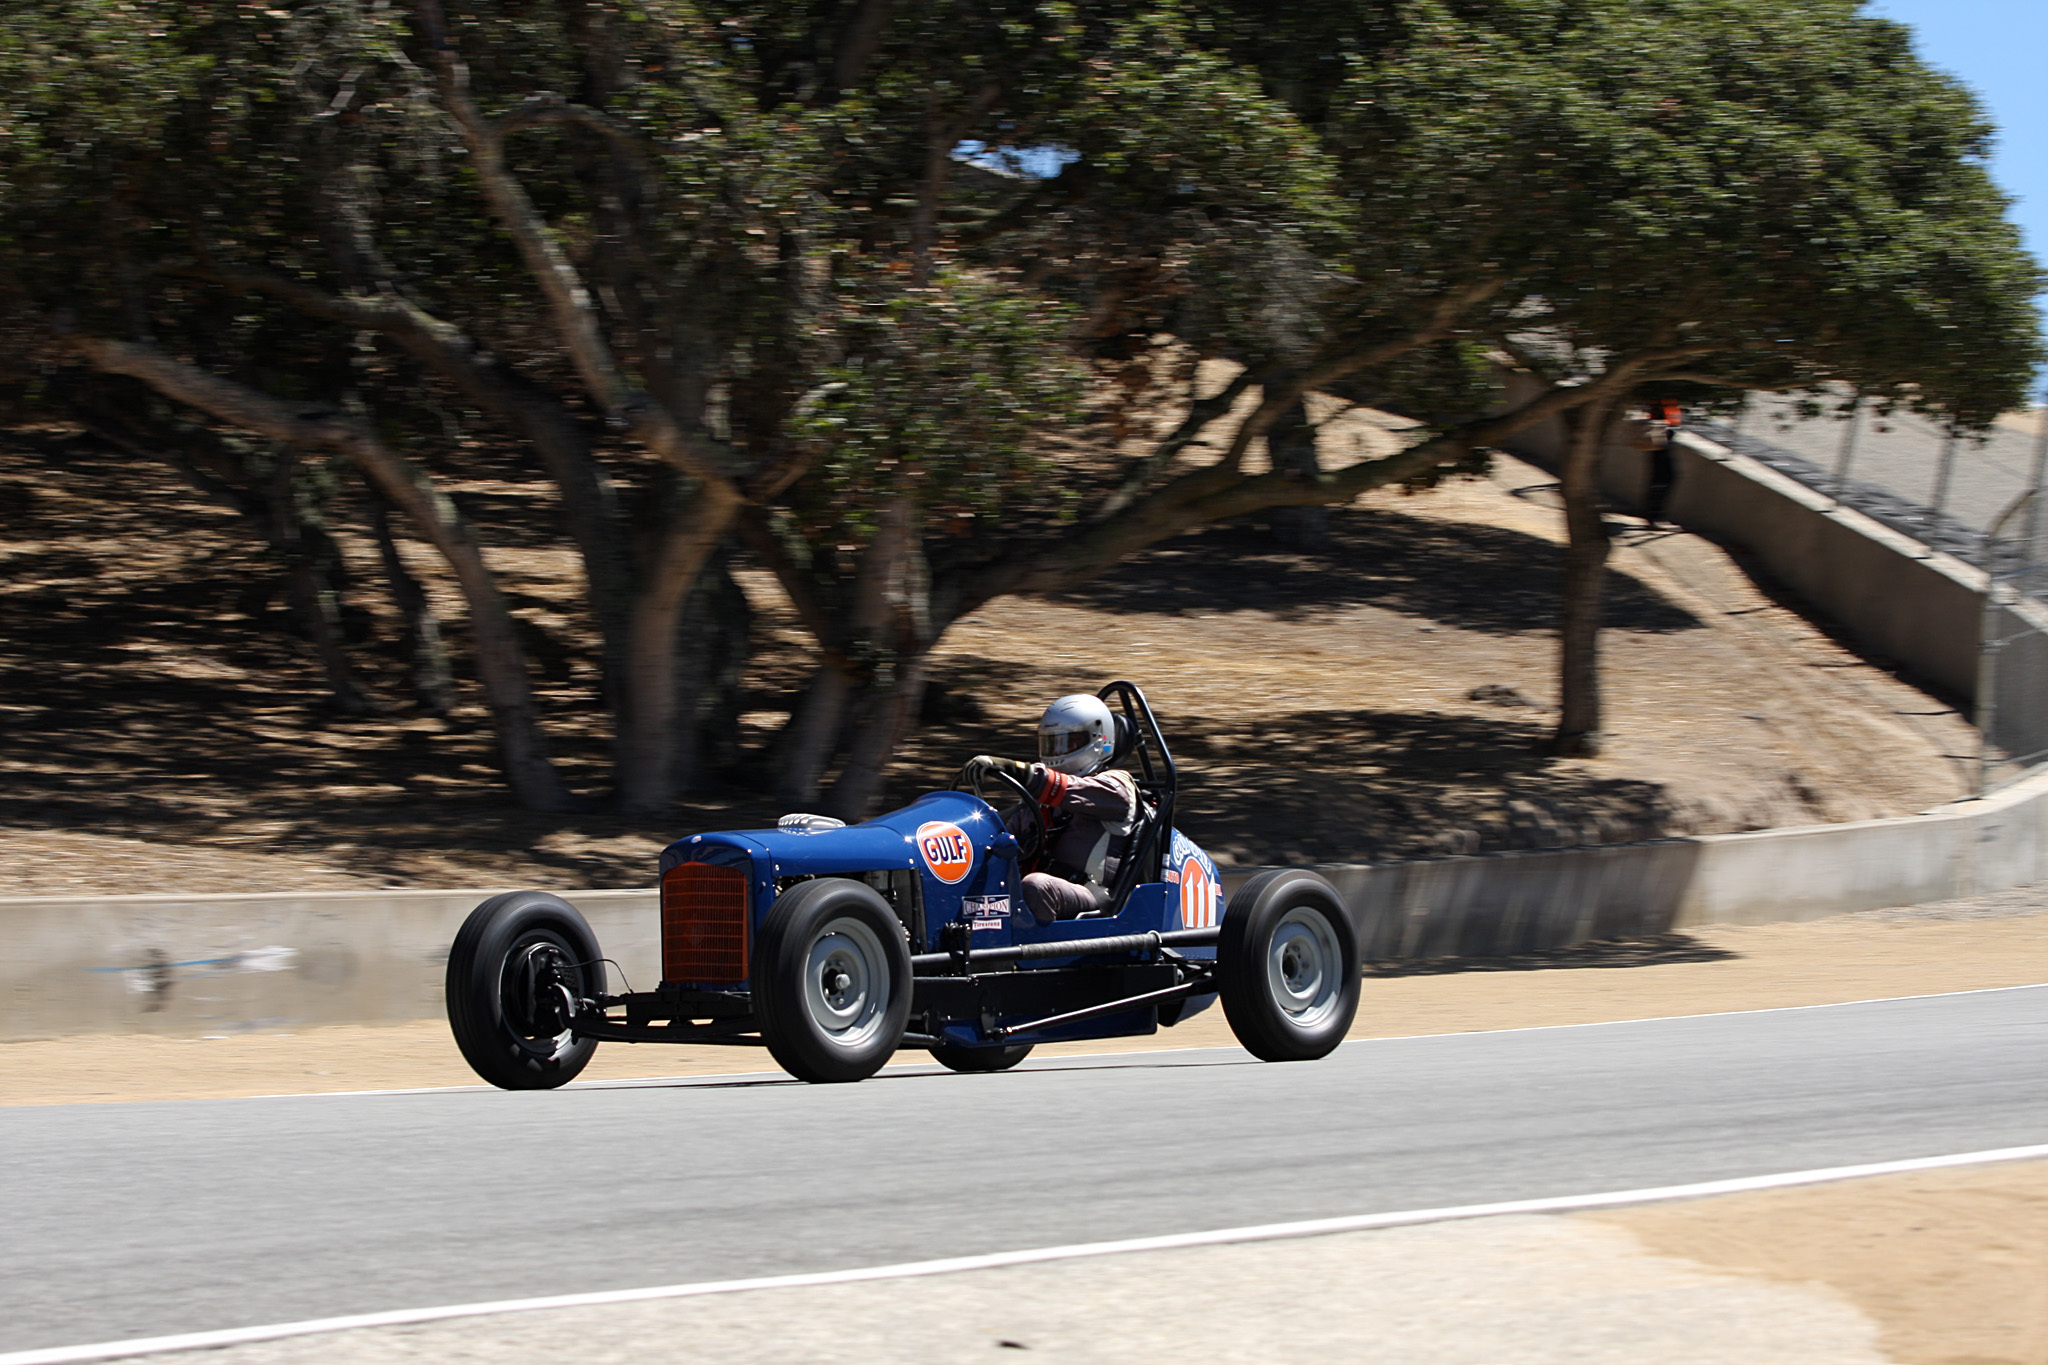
(836, 945)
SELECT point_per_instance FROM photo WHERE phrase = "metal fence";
(1977, 498)
(1908, 460)
(2011, 693)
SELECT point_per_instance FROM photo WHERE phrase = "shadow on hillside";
(146, 692)
(1362, 786)
(1480, 578)
(1356, 786)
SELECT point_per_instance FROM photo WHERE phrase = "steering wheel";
(1031, 845)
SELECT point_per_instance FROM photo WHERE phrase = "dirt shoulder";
(1951, 1265)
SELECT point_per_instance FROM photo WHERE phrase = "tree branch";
(1197, 498)
(589, 502)
(1201, 412)
(857, 44)
(826, 629)
(548, 108)
(568, 300)
(501, 661)
(1442, 321)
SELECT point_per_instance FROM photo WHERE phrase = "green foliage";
(945, 393)
(1784, 190)
(782, 251)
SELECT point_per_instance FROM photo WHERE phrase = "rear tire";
(511, 962)
(954, 1057)
(831, 980)
(1287, 967)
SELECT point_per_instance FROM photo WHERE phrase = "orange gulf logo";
(1200, 896)
(945, 849)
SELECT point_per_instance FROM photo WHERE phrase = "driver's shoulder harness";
(1109, 802)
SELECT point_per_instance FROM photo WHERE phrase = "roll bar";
(1157, 779)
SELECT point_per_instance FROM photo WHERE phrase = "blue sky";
(1999, 48)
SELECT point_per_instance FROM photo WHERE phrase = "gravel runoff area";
(1932, 1268)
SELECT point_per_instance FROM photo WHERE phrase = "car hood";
(887, 841)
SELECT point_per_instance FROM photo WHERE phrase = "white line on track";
(1267, 1232)
(718, 1077)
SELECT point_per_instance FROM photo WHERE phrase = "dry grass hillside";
(1380, 698)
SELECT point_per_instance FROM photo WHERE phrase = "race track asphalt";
(137, 1220)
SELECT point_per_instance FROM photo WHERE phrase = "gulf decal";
(946, 850)
(1201, 890)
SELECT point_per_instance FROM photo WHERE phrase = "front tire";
(954, 1057)
(1287, 967)
(518, 962)
(831, 980)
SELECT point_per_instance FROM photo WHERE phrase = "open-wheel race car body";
(836, 945)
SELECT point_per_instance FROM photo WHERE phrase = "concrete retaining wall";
(1497, 904)
(1900, 600)
(1919, 608)
(194, 965)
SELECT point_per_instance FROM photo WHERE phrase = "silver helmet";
(1076, 735)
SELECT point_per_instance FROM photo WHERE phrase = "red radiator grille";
(703, 924)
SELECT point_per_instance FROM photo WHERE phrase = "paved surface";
(146, 1219)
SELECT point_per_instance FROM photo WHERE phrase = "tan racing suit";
(1088, 825)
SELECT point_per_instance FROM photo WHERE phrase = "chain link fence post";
(2035, 550)
(2005, 599)
(1848, 451)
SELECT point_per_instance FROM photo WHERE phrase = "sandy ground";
(1531, 1291)
(2029, 423)
(1945, 1268)
(1951, 1265)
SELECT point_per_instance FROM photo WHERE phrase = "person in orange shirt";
(1659, 435)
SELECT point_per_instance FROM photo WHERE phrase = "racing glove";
(990, 763)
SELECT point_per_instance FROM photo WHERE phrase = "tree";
(723, 270)
(1744, 197)
(634, 279)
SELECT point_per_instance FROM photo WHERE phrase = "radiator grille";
(704, 924)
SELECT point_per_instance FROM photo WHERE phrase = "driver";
(1090, 808)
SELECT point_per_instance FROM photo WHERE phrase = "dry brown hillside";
(1379, 699)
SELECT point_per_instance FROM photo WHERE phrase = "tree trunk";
(895, 606)
(426, 658)
(500, 661)
(864, 693)
(883, 722)
(812, 737)
(1585, 569)
(648, 721)
(308, 574)
(1291, 442)
(712, 645)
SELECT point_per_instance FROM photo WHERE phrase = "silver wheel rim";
(1304, 967)
(846, 983)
